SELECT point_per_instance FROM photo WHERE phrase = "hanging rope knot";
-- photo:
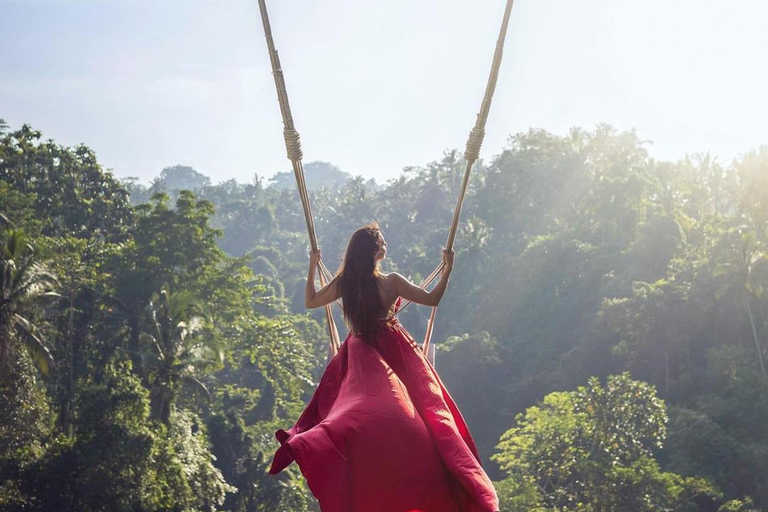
(474, 143)
(293, 145)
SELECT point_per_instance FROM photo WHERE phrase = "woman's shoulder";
(390, 280)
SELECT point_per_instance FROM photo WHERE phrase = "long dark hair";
(358, 278)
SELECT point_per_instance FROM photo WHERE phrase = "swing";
(293, 149)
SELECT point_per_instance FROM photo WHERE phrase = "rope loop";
(474, 143)
(292, 145)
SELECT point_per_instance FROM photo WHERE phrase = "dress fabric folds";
(382, 434)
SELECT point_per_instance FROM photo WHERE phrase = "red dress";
(382, 434)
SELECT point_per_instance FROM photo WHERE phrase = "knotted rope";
(292, 145)
(474, 143)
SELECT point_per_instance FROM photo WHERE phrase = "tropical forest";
(604, 333)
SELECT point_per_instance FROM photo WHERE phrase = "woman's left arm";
(327, 294)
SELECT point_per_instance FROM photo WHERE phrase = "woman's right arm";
(327, 294)
(410, 291)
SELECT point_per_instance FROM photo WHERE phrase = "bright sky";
(376, 85)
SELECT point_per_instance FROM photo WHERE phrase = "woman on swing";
(381, 433)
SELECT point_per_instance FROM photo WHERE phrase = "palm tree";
(742, 276)
(475, 236)
(180, 349)
(24, 282)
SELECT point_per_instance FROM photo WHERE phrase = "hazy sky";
(376, 85)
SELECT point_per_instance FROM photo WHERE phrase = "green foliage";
(181, 349)
(194, 482)
(518, 493)
(24, 427)
(120, 460)
(175, 248)
(738, 506)
(472, 368)
(17, 210)
(593, 449)
(70, 189)
(24, 284)
(696, 445)
(277, 361)
(628, 420)
(244, 453)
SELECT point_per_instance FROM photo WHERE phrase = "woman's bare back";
(388, 292)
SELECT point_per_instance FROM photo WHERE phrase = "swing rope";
(295, 155)
(293, 149)
(471, 154)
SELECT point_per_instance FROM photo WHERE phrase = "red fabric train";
(382, 434)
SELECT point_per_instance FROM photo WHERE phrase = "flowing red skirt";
(382, 434)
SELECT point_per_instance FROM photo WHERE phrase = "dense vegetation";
(604, 332)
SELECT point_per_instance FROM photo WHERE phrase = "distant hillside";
(317, 174)
(183, 177)
(171, 180)
(179, 177)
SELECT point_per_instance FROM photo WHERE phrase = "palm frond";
(32, 289)
(196, 384)
(37, 349)
(152, 341)
(6, 221)
(15, 245)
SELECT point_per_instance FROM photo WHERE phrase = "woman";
(381, 433)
